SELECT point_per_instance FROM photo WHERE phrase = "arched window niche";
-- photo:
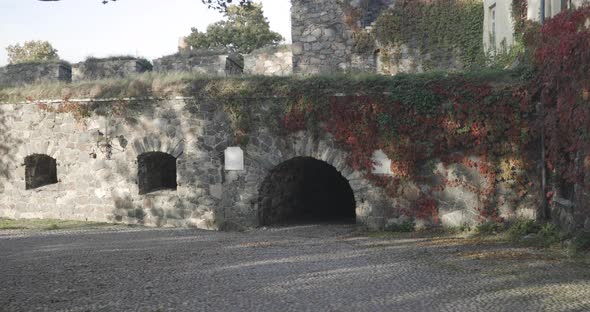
(156, 171)
(40, 170)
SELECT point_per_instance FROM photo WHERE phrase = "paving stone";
(299, 268)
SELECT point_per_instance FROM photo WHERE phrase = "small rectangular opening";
(40, 170)
(156, 171)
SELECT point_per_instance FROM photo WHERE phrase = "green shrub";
(145, 64)
(535, 234)
(548, 235)
(488, 228)
(580, 244)
(522, 227)
(459, 229)
(404, 227)
(53, 227)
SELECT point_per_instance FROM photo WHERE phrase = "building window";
(40, 170)
(156, 171)
(492, 12)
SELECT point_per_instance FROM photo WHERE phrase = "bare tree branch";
(220, 5)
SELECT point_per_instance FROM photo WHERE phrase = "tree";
(31, 51)
(220, 5)
(244, 30)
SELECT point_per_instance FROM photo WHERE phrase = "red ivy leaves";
(480, 121)
(563, 62)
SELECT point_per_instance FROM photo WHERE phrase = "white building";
(498, 29)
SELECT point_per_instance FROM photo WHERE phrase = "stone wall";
(322, 34)
(94, 69)
(322, 42)
(100, 184)
(93, 187)
(29, 73)
(410, 60)
(211, 64)
(273, 61)
(97, 168)
(570, 202)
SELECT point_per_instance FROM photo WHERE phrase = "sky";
(146, 28)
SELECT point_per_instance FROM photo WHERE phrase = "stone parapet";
(31, 73)
(272, 61)
(94, 69)
(211, 64)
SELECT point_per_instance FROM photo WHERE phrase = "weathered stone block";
(29, 73)
(214, 63)
(93, 69)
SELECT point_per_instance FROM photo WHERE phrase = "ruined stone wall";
(267, 150)
(101, 184)
(212, 64)
(322, 41)
(95, 184)
(29, 73)
(103, 69)
(406, 59)
(93, 187)
(323, 34)
(273, 61)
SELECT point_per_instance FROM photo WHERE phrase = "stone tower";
(322, 32)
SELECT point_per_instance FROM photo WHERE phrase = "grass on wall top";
(188, 84)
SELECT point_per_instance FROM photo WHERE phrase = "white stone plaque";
(382, 164)
(234, 158)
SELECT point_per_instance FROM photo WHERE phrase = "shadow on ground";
(311, 267)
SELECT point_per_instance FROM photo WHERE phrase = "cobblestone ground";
(304, 268)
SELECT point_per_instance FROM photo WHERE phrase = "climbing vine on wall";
(441, 29)
(519, 15)
(525, 36)
(422, 120)
(413, 119)
(79, 111)
(563, 83)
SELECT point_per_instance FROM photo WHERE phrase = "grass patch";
(488, 228)
(47, 224)
(528, 233)
(579, 245)
(426, 233)
(403, 227)
(521, 228)
(166, 85)
(532, 234)
(136, 86)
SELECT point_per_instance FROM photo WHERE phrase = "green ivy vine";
(442, 29)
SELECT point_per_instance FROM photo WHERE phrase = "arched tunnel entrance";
(305, 190)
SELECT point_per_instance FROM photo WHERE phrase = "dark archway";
(40, 170)
(156, 171)
(305, 190)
